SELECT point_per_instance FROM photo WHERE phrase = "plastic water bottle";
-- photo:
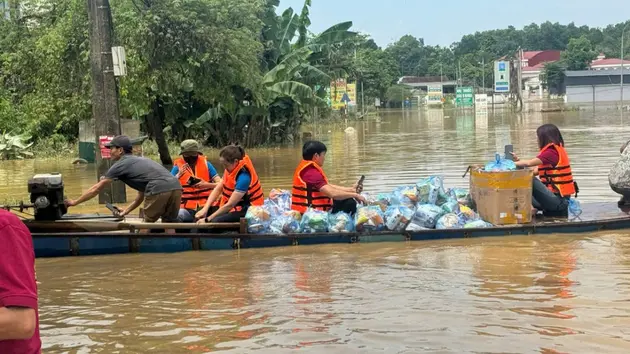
(574, 207)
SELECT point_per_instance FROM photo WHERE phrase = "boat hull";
(597, 217)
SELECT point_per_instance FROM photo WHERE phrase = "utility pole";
(483, 74)
(621, 78)
(362, 98)
(520, 72)
(104, 91)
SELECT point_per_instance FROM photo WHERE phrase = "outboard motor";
(47, 196)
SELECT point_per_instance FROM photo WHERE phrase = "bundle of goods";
(461, 195)
(500, 164)
(314, 221)
(340, 222)
(286, 223)
(425, 217)
(258, 219)
(427, 205)
(369, 218)
(450, 221)
(397, 217)
(279, 201)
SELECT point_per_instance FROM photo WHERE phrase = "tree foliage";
(228, 71)
(579, 54)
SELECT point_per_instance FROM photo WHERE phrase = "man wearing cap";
(198, 178)
(160, 191)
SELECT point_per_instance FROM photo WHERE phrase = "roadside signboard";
(434, 94)
(501, 76)
(464, 96)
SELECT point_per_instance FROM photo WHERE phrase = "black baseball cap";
(120, 141)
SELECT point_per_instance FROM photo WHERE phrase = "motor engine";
(46, 192)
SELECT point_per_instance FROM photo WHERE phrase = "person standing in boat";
(239, 188)
(555, 185)
(160, 191)
(198, 178)
(619, 176)
(311, 188)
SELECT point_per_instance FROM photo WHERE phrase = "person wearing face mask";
(238, 189)
(198, 178)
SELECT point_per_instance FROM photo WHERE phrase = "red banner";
(102, 140)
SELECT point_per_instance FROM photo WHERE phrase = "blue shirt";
(243, 179)
(211, 171)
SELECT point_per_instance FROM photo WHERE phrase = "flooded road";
(399, 149)
(543, 294)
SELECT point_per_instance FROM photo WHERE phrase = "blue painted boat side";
(52, 246)
(93, 246)
(99, 245)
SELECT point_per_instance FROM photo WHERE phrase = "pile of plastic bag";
(425, 205)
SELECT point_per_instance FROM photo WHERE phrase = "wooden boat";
(86, 235)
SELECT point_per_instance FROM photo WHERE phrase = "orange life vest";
(194, 198)
(254, 195)
(303, 197)
(558, 179)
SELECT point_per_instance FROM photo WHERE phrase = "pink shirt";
(17, 278)
(313, 178)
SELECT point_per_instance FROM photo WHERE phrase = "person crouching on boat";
(554, 185)
(198, 178)
(619, 176)
(160, 191)
(311, 188)
(238, 189)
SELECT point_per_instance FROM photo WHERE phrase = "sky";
(443, 22)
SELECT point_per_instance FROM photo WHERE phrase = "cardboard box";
(502, 198)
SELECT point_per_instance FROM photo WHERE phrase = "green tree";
(552, 76)
(396, 94)
(579, 53)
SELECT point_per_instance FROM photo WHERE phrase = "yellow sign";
(342, 93)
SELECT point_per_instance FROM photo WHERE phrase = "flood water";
(538, 294)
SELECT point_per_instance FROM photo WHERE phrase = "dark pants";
(231, 217)
(547, 202)
(348, 206)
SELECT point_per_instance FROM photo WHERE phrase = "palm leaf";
(297, 91)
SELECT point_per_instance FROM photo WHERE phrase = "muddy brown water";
(538, 294)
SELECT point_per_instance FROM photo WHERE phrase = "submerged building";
(597, 86)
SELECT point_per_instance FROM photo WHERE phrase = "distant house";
(596, 86)
(423, 82)
(533, 63)
(603, 63)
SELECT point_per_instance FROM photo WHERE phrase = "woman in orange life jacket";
(239, 188)
(198, 178)
(554, 185)
(311, 188)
